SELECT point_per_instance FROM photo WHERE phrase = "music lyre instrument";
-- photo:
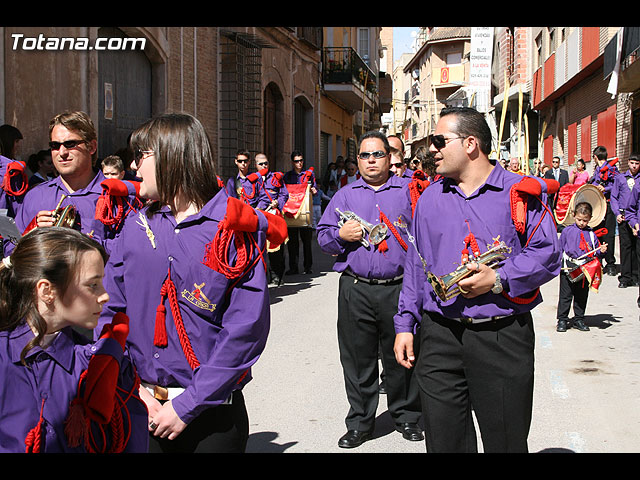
(446, 286)
(375, 233)
(64, 216)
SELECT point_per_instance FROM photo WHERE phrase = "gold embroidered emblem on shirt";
(198, 298)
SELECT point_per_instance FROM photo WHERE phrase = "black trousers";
(628, 254)
(276, 262)
(222, 429)
(295, 234)
(572, 292)
(485, 368)
(609, 222)
(365, 326)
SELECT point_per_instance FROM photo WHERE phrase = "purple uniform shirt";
(608, 184)
(274, 192)
(393, 200)
(292, 178)
(254, 191)
(631, 213)
(46, 195)
(570, 242)
(52, 375)
(440, 227)
(227, 327)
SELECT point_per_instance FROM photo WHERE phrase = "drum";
(570, 195)
(298, 209)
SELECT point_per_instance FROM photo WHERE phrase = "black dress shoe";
(623, 285)
(353, 438)
(562, 326)
(579, 325)
(308, 271)
(410, 431)
(610, 270)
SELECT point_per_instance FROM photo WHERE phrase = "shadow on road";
(264, 442)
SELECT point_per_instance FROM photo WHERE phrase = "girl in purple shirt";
(62, 393)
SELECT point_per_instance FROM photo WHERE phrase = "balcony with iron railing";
(347, 77)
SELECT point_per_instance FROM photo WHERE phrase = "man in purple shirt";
(604, 177)
(372, 267)
(73, 143)
(628, 245)
(245, 186)
(476, 348)
(294, 176)
(278, 195)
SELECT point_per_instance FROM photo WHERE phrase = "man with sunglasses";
(371, 268)
(476, 347)
(245, 186)
(297, 175)
(74, 145)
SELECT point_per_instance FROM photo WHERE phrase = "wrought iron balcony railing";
(344, 65)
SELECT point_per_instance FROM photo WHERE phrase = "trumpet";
(446, 286)
(375, 233)
(64, 217)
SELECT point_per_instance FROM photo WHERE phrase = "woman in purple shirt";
(194, 285)
(51, 283)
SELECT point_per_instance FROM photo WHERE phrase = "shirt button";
(177, 230)
(156, 355)
(170, 258)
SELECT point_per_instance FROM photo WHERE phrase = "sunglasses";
(242, 160)
(397, 165)
(440, 141)
(376, 154)
(298, 161)
(263, 163)
(68, 144)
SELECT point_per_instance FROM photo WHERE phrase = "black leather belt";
(374, 281)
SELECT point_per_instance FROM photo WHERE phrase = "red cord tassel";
(160, 332)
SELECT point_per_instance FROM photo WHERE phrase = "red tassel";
(75, 427)
(160, 333)
(382, 246)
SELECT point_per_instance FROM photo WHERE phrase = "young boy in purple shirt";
(580, 245)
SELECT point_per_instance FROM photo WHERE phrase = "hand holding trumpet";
(351, 231)
(477, 283)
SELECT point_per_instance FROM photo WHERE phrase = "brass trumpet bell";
(446, 286)
(64, 216)
(375, 233)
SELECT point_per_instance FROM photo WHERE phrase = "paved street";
(587, 391)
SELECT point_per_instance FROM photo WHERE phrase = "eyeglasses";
(376, 154)
(440, 141)
(140, 154)
(68, 144)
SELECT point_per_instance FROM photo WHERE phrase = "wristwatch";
(497, 286)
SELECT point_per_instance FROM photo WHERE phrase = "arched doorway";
(303, 130)
(124, 93)
(274, 128)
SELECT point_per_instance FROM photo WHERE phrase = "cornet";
(446, 286)
(376, 233)
(64, 217)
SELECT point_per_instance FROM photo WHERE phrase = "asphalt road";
(586, 395)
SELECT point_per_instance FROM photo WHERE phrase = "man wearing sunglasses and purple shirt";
(477, 348)
(74, 145)
(368, 291)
